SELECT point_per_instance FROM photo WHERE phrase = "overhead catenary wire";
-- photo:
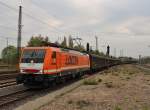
(50, 27)
(3, 37)
(11, 28)
(42, 22)
(10, 7)
(7, 27)
(7, 41)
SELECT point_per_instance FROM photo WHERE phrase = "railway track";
(4, 76)
(18, 95)
(6, 83)
(5, 71)
(144, 67)
(7, 79)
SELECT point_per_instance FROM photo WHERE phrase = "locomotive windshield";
(36, 56)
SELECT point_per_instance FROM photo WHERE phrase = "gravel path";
(120, 88)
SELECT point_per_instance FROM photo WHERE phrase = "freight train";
(41, 66)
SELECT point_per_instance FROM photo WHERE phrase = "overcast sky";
(123, 24)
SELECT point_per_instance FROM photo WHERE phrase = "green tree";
(64, 42)
(145, 59)
(102, 54)
(46, 39)
(70, 42)
(38, 41)
(56, 42)
(79, 47)
(96, 52)
(9, 55)
(99, 53)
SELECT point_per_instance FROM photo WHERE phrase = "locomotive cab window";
(54, 57)
(36, 55)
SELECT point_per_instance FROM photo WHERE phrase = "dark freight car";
(99, 62)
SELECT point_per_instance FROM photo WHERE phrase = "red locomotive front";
(42, 65)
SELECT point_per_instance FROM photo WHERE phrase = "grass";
(92, 81)
(99, 80)
(128, 78)
(70, 102)
(126, 99)
(115, 74)
(108, 84)
(82, 103)
(117, 108)
(146, 108)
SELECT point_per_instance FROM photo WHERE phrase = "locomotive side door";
(54, 62)
(58, 61)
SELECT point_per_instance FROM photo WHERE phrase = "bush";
(117, 108)
(99, 80)
(92, 81)
(127, 77)
(82, 103)
(109, 84)
(70, 102)
(9, 55)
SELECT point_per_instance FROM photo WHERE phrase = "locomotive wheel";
(63, 80)
(46, 84)
(53, 83)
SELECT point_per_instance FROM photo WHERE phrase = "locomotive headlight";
(41, 71)
(21, 71)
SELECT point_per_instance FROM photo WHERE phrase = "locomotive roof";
(104, 57)
(73, 51)
(58, 49)
(36, 47)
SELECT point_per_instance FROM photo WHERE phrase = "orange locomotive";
(43, 65)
